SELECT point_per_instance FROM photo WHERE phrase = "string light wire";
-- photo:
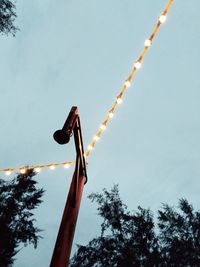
(137, 65)
(119, 99)
(37, 168)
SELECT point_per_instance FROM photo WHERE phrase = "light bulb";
(103, 127)
(96, 137)
(162, 18)
(90, 147)
(119, 100)
(111, 114)
(22, 171)
(37, 169)
(66, 166)
(147, 43)
(127, 83)
(138, 65)
(8, 173)
(52, 167)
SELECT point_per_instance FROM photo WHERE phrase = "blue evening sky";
(79, 53)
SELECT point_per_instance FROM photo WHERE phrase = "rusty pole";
(61, 253)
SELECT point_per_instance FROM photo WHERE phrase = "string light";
(138, 65)
(127, 83)
(8, 173)
(147, 43)
(37, 169)
(96, 137)
(90, 147)
(103, 127)
(162, 18)
(110, 114)
(52, 167)
(119, 100)
(66, 166)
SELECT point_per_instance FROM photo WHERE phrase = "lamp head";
(61, 137)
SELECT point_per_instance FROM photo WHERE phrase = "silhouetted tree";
(7, 17)
(179, 235)
(18, 198)
(132, 239)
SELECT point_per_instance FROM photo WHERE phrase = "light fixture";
(23, 171)
(96, 137)
(90, 147)
(66, 166)
(147, 43)
(111, 114)
(127, 83)
(37, 169)
(138, 65)
(119, 100)
(103, 127)
(8, 173)
(52, 167)
(162, 18)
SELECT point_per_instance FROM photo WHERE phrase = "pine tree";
(18, 198)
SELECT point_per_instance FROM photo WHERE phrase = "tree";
(130, 239)
(7, 17)
(179, 235)
(18, 198)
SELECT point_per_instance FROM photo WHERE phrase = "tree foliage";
(18, 198)
(7, 17)
(179, 235)
(134, 239)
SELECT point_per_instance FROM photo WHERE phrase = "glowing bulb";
(52, 167)
(147, 43)
(96, 137)
(37, 169)
(111, 114)
(127, 83)
(22, 171)
(119, 100)
(66, 166)
(90, 147)
(8, 173)
(103, 127)
(162, 18)
(138, 65)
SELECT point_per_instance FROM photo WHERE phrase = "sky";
(80, 53)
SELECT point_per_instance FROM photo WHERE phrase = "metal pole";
(65, 236)
(61, 254)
